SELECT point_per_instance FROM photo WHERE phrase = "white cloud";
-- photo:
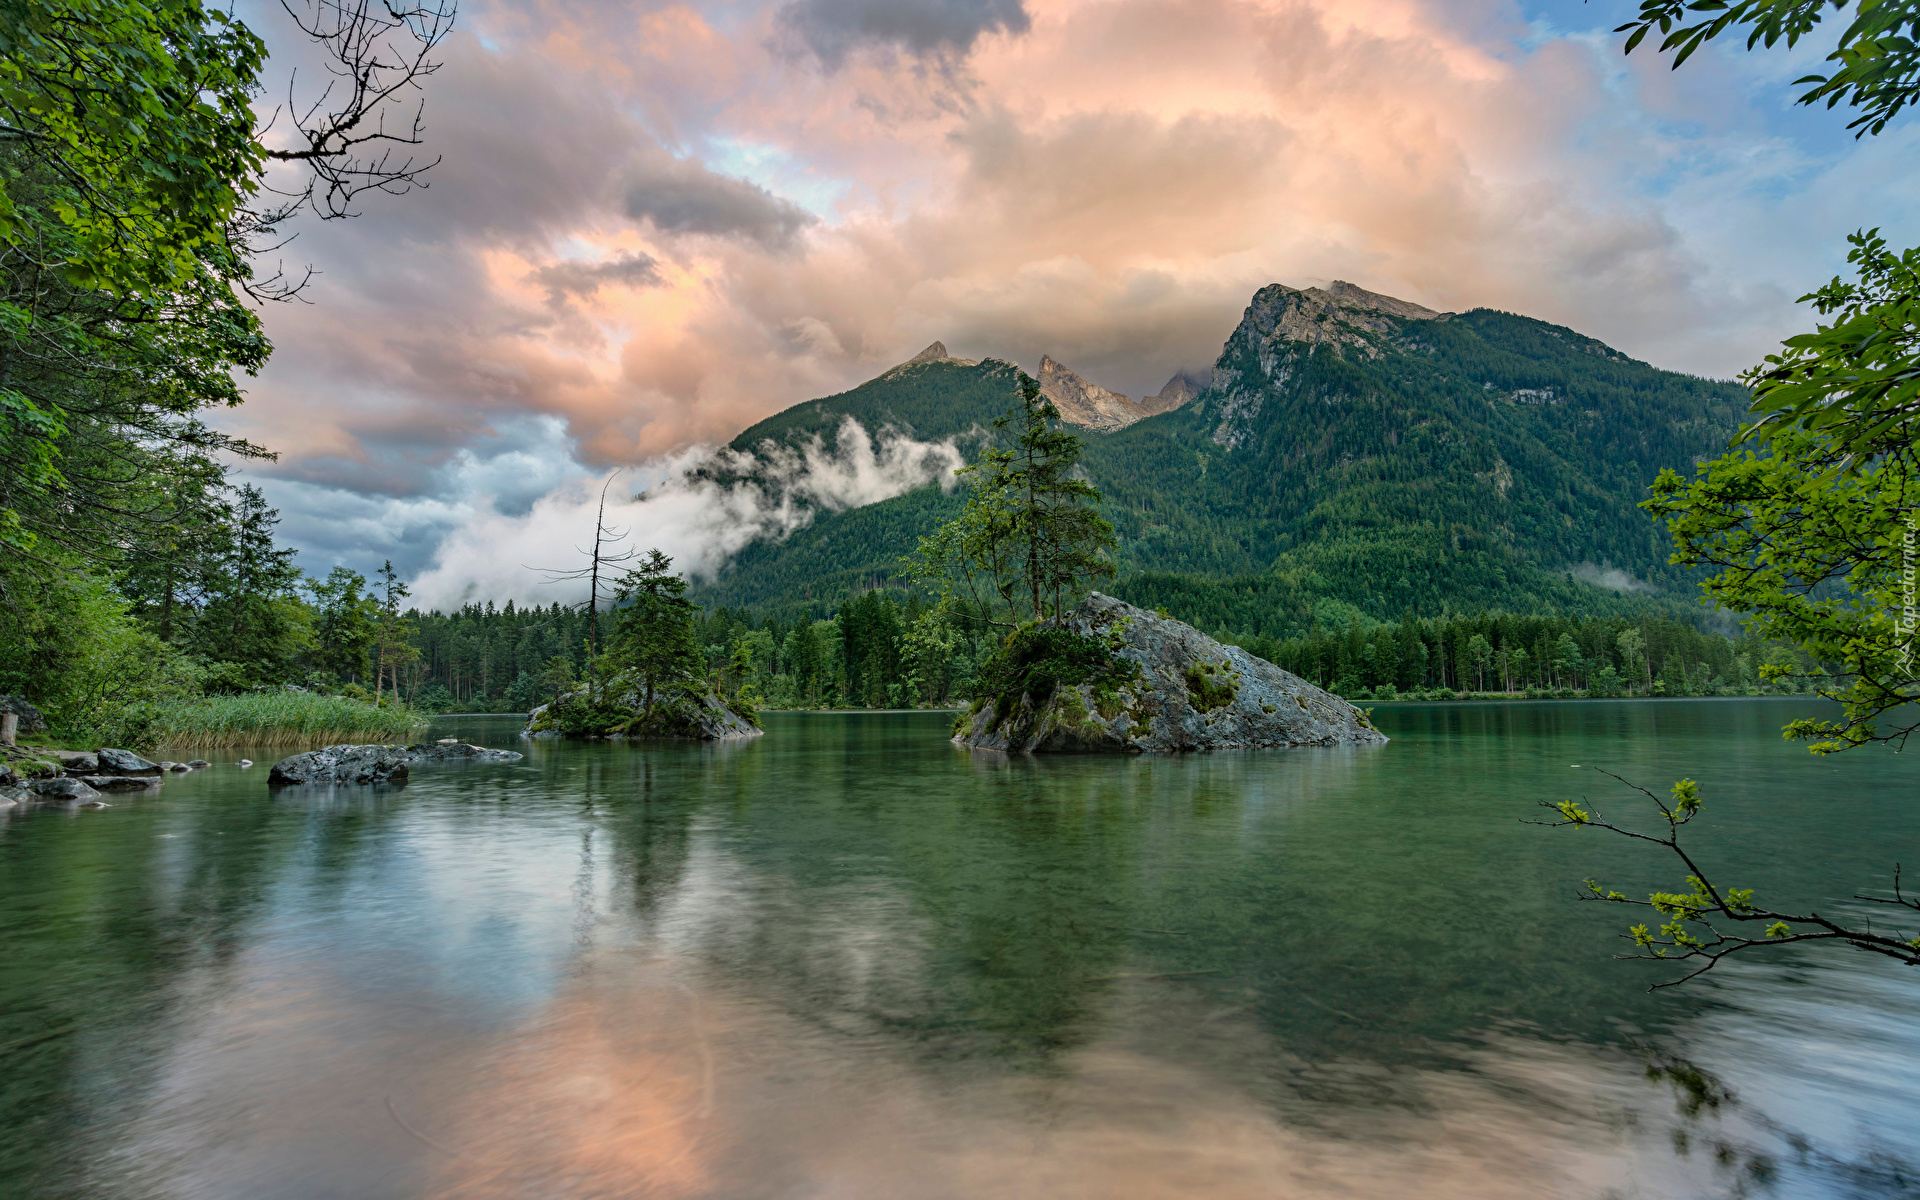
(696, 505)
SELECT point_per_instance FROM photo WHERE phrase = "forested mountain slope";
(1349, 446)
(931, 397)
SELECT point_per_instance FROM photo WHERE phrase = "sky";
(655, 223)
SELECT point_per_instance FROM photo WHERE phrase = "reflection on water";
(851, 960)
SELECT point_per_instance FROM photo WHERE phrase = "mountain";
(1184, 386)
(1087, 405)
(1350, 452)
(931, 396)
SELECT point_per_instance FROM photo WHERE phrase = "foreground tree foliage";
(1029, 541)
(1709, 921)
(134, 202)
(1809, 525)
(654, 628)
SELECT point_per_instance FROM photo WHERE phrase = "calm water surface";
(851, 960)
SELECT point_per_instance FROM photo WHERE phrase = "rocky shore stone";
(63, 790)
(342, 764)
(119, 783)
(74, 762)
(123, 762)
(1194, 693)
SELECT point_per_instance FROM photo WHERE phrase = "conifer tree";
(654, 635)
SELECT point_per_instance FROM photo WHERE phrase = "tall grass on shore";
(280, 719)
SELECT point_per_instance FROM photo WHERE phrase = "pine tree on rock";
(654, 628)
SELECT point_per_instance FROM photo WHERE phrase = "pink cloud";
(1103, 180)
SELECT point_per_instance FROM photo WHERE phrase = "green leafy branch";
(1810, 531)
(1703, 922)
(1876, 61)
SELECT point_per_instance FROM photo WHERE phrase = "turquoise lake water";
(849, 959)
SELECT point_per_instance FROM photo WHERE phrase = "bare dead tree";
(607, 550)
(361, 132)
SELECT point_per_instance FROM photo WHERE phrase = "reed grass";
(281, 719)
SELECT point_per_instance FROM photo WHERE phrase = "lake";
(849, 959)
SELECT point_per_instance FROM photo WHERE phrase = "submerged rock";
(451, 751)
(378, 764)
(123, 762)
(1193, 694)
(119, 783)
(342, 764)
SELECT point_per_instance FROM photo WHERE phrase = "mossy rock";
(1190, 692)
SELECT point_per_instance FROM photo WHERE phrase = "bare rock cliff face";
(1083, 403)
(1282, 325)
(932, 354)
(1194, 694)
(1183, 387)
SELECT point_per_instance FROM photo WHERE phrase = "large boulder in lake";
(1191, 693)
(342, 764)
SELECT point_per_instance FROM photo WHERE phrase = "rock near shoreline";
(376, 763)
(1193, 693)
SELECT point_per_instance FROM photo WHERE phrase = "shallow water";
(852, 960)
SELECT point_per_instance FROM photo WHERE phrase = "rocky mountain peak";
(936, 353)
(1261, 354)
(1338, 313)
(1083, 403)
(1184, 386)
(1346, 295)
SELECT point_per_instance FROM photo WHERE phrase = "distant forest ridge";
(864, 655)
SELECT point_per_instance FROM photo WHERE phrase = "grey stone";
(119, 783)
(74, 762)
(31, 719)
(198, 764)
(64, 790)
(1168, 708)
(342, 764)
(448, 750)
(124, 762)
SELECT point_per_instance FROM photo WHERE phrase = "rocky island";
(677, 711)
(1191, 693)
